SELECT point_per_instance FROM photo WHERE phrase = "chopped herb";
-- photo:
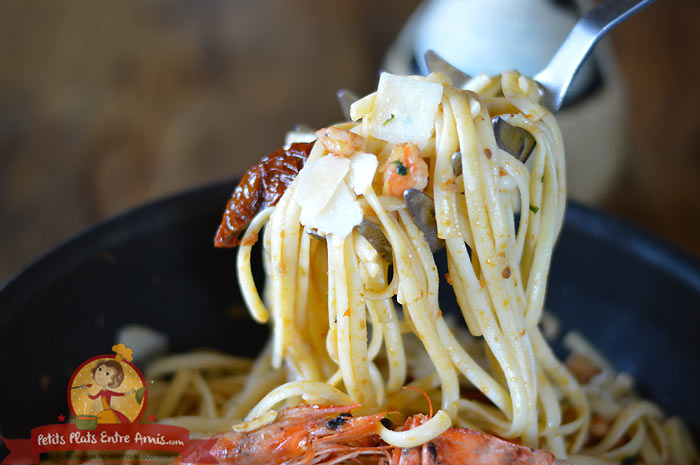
(534, 209)
(388, 120)
(400, 168)
(542, 178)
(629, 460)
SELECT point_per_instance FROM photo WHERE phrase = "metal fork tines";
(554, 81)
(422, 210)
(346, 98)
(556, 78)
(516, 141)
(437, 64)
(374, 235)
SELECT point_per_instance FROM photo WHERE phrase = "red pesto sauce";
(261, 187)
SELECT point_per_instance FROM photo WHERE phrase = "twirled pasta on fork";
(351, 327)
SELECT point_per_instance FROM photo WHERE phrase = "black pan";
(635, 297)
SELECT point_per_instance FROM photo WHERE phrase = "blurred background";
(106, 105)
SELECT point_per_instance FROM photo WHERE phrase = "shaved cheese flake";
(362, 169)
(341, 214)
(319, 180)
(362, 107)
(404, 109)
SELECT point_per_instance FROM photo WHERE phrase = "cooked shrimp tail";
(308, 434)
(461, 446)
(326, 435)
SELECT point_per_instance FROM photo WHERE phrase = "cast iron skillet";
(636, 298)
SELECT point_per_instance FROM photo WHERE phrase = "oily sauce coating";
(261, 187)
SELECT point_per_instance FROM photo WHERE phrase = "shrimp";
(305, 434)
(339, 141)
(325, 435)
(405, 169)
(462, 446)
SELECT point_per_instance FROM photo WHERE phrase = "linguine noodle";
(350, 328)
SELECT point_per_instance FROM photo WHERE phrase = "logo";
(107, 389)
(107, 397)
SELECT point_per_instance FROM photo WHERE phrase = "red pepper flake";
(448, 278)
(488, 153)
(502, 172)
(250, 239)
(506, 272)
(451, 185)
(347, 312)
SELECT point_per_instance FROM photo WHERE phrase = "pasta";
(348, 327)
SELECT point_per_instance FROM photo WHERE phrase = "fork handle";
(557, 76)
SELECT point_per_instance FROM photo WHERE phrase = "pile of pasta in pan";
(351, 294)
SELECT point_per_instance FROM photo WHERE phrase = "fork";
(556, 78)
(554, 82)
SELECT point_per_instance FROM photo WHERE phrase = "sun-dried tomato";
(261, 187)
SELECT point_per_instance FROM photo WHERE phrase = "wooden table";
(106, 105)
